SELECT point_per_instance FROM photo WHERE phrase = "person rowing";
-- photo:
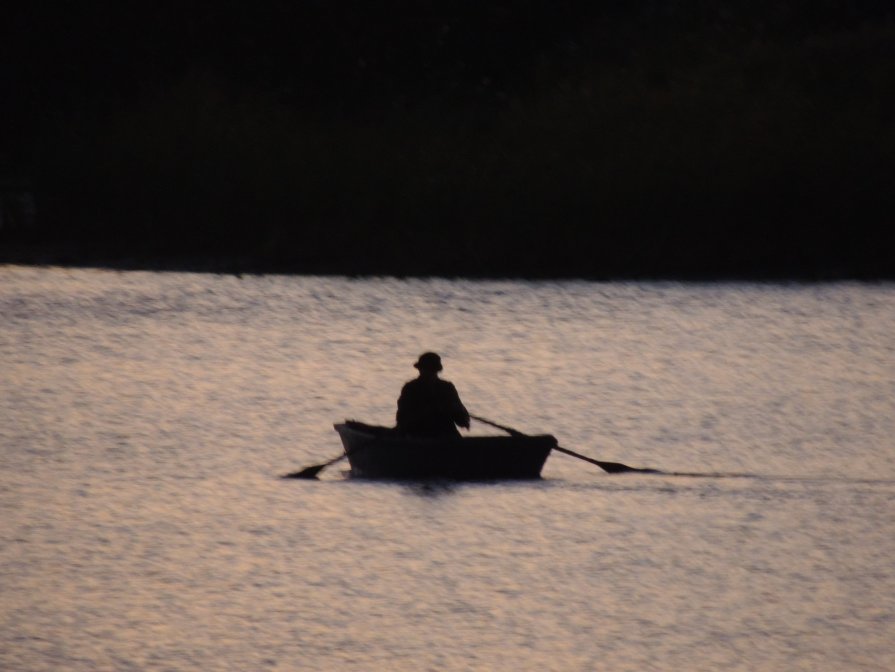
(429, 406)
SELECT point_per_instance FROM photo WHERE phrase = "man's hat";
(429, 361)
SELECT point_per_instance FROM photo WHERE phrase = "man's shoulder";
(419, 383)
(414, 384)
(446, 387)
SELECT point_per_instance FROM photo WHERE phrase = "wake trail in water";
(763, 477)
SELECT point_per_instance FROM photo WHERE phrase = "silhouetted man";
(429, 406)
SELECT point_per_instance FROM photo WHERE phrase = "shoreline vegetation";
(602, 140)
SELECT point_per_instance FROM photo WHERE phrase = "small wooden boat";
(383, 453)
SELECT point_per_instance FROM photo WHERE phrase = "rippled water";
(145, 419)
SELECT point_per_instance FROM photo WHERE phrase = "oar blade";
(619, 468)
(309, 473)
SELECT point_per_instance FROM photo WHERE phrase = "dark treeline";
(746, 138)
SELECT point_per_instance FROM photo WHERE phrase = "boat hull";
(381, 453)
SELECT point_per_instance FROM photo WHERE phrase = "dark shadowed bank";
(593, 139)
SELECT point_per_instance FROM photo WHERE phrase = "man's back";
(430, 407)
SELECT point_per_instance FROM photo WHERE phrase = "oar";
(312, 471)
(609, 467)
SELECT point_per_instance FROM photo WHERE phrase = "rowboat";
(382, 453)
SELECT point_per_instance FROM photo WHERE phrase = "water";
(145, 419)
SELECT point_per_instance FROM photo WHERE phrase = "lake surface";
(145, 419)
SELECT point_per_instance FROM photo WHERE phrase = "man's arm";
(459, 412)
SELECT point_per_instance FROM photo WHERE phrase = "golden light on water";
(147, 419)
